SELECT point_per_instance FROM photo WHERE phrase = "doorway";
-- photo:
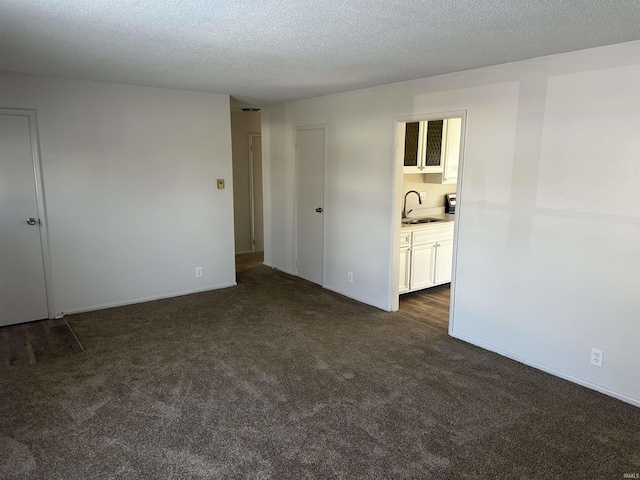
(25, 290)
(428, 168)
(255, 256)
(310, 160)
(246, 151)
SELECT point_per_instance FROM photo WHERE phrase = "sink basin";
(415, 221)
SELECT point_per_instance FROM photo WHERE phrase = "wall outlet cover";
(596, 357)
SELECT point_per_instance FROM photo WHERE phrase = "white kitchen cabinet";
(422, 266)
(443, 262)
(422, 146)
(451, 140)
(428, 259)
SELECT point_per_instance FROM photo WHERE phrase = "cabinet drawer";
(405, 239)
(432, 234)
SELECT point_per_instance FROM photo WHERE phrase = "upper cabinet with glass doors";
(431, 147)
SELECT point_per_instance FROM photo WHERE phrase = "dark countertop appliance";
(450, 203)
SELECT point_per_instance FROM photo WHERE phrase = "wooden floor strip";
(34, 342)
(430, 306)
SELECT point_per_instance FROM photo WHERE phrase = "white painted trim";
(456, 222)
(324, 194)
(547, 369)
(397, 179)
(252, 224)
(252, 200)
(147, 299)
(40, 201)
(267, 194)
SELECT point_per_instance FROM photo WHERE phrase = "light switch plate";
(220, 184)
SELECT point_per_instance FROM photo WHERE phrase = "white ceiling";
(265, 51)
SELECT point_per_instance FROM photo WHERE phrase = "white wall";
(435, 194)
(547, 265)
(242, 124)
(130, 184)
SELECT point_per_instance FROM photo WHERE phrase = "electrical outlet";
(350, 277)
(423, 195)
(596, 357)
(198, 272)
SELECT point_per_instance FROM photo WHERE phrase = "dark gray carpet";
(277, 378)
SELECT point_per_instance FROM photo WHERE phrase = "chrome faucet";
(404, 210)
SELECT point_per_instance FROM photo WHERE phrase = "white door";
(309, 203)
(23, 295)
(422, 258)
(256, 184)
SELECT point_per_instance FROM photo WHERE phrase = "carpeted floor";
(245, 261)
(277, 378)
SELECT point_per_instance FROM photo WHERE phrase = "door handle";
(319, 209)
(32, 221)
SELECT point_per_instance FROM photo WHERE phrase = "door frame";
(296, 129)
(252, 200)
(40, 201)
(397, 201)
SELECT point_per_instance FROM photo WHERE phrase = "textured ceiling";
(264, 51)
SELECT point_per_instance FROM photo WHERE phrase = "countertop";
(447, 217)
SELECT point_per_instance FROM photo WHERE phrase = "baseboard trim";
(358, 298)
(558, 373)
(147, 299)
(284, 270)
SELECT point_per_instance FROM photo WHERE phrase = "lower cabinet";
(443, 262)
(423, 258)
(428, 260)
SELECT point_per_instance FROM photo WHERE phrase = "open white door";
(23, 294)
(310, 203)
(257, 218)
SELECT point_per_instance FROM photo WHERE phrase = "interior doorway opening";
(428, 166)
(247, 188)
